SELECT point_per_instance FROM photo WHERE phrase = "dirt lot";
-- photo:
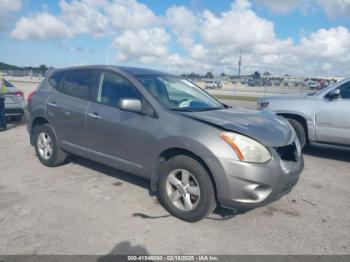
(86, 208)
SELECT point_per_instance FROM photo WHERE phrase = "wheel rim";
(45, 146)
(183, 189)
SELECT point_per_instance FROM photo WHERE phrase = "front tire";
(299, 130)
(46, 146)
(185, 189)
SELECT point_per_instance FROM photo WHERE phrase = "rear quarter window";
(56, 79)
(78, 83)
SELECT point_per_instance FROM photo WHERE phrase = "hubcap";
(45, 146)
(183, 189)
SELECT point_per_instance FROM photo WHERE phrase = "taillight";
(18, 94)
(30, 96)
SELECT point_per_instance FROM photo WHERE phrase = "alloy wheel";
(183, 189)
(45, 146)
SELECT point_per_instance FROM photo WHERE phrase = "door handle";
(52, 104)
(94, 115)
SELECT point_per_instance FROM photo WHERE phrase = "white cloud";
(280, 7)
(203, 40)
(143, 45)
(130, 14)
(183, 23)
(42, 26)
(10, 5)
(239, 27)
(6, 8)
(84, 17)
(333, 44)
(336, 8)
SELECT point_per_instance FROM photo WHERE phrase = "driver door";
(333, 118)
(115, 137)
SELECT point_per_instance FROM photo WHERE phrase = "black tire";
(300, 131)
(206, 203)
(58, 157)
(17, 118)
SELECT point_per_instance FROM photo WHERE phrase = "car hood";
(265, 127)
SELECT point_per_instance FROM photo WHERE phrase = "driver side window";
(113, 87)
(345, 90)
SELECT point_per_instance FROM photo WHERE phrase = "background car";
(212, 85)
(14, 102)
(319, 118)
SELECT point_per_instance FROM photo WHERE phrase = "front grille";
(288, 153)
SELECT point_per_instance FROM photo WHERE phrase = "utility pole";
(239, 63)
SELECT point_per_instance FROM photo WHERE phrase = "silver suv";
(320, 118)
(196, 151)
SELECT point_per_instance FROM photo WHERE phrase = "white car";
(14, 102)
(212, 85)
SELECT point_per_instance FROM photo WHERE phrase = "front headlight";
(247, 149)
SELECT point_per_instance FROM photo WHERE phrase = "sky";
(304, 38)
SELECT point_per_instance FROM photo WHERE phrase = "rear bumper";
(247, 185)
(14, 111)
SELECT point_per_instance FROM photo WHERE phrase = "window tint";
(345, 90)
(56, 79)
(113, 87)
(79, 83)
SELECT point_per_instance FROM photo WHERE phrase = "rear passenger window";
(79, 83)
(113, 87)
(56, 79)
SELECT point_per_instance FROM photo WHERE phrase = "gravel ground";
(86, 208)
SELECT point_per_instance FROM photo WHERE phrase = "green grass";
(241, 98)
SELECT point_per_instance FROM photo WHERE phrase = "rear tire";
(195, 198)
(46, 146)
(299, 130)
(17, 118)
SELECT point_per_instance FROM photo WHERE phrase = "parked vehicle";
(319, 118)
(14, 102)
(213, 85)
(196, 151)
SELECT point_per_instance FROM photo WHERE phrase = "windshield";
(179, 94)
(7, 83)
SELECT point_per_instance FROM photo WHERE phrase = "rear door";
(115, 137)
(66, 108)
(333, 118)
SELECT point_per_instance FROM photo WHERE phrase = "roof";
(136, 71)
(141, 71)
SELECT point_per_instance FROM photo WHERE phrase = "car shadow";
(110, 171)
(13, 123)
(329, 153)
(123, 248)
(219, 213)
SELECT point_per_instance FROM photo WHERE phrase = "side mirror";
(130, 104)
(334, 94)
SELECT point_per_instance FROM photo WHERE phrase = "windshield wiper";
(181, 109)
(196, 109)
(210, 109)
